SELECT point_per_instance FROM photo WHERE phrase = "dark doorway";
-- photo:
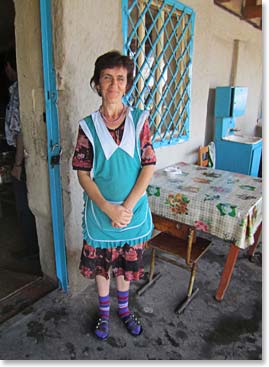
(21, 279)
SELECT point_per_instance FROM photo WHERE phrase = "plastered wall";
(30, 79)
(81, 32)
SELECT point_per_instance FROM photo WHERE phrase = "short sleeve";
(83, 155)
(148, 156)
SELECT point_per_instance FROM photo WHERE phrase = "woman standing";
(115, 162)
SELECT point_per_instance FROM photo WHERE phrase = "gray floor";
(59, 326)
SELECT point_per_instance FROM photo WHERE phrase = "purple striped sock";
(132, 324)
(123, 298)
(104, 306)
(102, 328)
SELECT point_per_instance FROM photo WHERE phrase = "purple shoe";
(102, 329)
(132, 324)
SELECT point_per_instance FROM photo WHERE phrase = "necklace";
(116, 121)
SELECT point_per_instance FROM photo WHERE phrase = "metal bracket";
(55, 159)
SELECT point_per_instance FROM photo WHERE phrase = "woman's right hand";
(119, 215)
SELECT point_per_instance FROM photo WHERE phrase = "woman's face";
(112, 84)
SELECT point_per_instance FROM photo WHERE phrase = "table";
(224, 204)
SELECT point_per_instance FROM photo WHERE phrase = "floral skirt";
(126, 261)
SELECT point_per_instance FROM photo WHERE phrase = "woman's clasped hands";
(120, 216)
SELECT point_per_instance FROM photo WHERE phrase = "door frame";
(53, 144)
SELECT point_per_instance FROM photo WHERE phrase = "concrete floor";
(59, 326)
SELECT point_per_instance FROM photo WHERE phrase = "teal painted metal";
(233, 156)
(174, 82)
(232, 101)
(53, 143)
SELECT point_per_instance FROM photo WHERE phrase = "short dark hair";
(10, 58)
(112, 59)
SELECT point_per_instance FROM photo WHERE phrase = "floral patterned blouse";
(83, 155)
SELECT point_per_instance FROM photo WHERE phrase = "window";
(158, 36)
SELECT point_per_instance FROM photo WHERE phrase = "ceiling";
(247, 10)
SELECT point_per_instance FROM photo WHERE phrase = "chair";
(179, 240)
(203, 156)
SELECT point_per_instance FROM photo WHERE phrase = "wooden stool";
(179, 240)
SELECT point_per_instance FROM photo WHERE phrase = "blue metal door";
(53, 143)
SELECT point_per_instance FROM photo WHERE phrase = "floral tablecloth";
(225, 204)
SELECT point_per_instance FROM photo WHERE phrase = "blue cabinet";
(230, 101)
(255, 160)
(223, 126)
(236, 155)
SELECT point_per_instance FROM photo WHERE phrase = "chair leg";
(152, 264)
(192, 278)
(190, 294)
(152, 277)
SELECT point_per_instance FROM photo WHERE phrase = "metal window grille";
(158, 36)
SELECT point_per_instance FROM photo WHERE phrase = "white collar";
(107, 142)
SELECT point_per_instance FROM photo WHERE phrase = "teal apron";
(115, 172)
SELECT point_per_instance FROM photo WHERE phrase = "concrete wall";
(82, 32)
(30, 78)
(84, 29)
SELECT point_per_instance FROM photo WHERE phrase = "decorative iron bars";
(158, 36)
